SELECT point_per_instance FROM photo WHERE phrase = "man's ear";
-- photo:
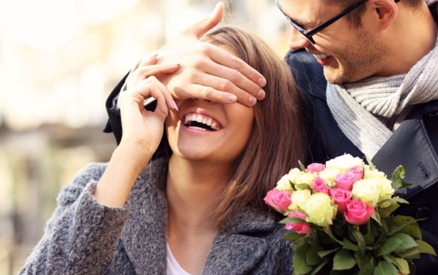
(385, 12)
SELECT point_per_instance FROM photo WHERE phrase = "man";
(374, 91)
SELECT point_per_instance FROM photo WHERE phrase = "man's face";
(347, 52)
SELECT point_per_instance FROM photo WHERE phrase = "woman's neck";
(193, 189)
(192, 193)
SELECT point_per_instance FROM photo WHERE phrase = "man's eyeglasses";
(310, 33)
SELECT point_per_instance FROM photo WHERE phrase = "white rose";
(345, 162)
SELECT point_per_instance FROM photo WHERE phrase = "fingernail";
(175, 106)
(232, 98)
(252, 100)
(261, 94)
(153, 56)
(262, 81)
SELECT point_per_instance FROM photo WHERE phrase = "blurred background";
(58, 62)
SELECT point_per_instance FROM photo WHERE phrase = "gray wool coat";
(85, 237)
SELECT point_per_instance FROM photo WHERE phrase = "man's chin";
(333, 77)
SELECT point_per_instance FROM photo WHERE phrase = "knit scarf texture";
(368, 111)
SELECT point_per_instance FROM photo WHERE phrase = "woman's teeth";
(201, 121)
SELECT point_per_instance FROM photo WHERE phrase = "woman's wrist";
(126, 164)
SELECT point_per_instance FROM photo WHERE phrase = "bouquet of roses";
(340, 221)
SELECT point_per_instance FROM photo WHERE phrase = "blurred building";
(58, 62)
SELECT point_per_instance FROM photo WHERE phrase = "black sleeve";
(311, 85)
(114, 124)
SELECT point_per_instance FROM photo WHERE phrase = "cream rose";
(320, 209)
(386, 190)
(285, 184)
(298, 198)
(329, 175)
(367, 190)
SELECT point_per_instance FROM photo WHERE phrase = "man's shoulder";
(307, 72)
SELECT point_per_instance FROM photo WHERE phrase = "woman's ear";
(385, 12)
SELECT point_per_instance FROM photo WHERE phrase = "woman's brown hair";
(277, 140)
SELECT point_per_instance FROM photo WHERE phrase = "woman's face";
(210, 131)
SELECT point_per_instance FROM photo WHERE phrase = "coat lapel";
(144, 236)
(241, 245)
(411, 147)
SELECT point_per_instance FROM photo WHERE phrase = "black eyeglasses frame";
(310, 33)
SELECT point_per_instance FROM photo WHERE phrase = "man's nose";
(297, 40)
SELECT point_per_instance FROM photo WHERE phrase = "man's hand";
(207, 71)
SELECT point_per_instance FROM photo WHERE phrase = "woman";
(198, 207)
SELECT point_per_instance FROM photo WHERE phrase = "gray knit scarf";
(369, 111)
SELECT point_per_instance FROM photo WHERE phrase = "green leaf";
(408, 225)
(398, 178)
(293, 236)
(291, 220)
(407, 242)
(360, 240)
(312, 257)
(399, 200)
(324, 253)
(401, 264)
(328, 231)
(391, 244)
(362, 260)
(424, 247)
(319, 267)
(349, 245)
(409, 254)
(385, 268)
(375, 216)
(368, 267)
(386, 212)
(301, 165)
(396, 243)
(370, 164)
(299, 261)
(369, 239)
(301, 186)
(343, 260)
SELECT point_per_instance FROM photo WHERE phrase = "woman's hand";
(143, 129)
(207, 71)
(142, 132)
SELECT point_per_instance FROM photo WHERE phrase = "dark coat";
(414, 145)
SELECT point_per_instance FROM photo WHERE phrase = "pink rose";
(299, 227)
(315, 168)
(345, 180)
(318, 184)
(358, 212)
(341, 198)
(279, 200)
(358, 171)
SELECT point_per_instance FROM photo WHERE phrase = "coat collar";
(235, 250)
(411, 147)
